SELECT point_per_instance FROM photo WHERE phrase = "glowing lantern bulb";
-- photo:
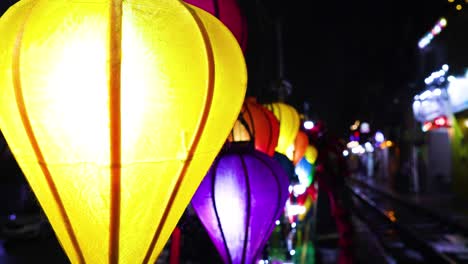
(114, 111)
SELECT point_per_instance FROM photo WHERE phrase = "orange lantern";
(115, 111)
(296, 153)
(258, 124)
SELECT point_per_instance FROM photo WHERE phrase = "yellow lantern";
(307, 205)
(311, 154)
(115, 110)
(289, 126)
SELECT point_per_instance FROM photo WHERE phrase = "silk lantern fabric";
(115, 111)
(258, 122)
(289, 125)
(238, 202)
(229, 12)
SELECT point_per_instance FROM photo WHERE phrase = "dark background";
(348, 59)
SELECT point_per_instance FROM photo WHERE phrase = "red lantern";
(229, 12)
(258, 124)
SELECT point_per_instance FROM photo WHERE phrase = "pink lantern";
(229, 12)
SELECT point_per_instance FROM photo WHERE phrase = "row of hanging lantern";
(224, 198)
(247, 187)
(117, 133)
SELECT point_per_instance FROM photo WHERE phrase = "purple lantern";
(239, 200)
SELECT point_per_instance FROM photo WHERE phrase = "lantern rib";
(232, 134)
(275, 111)
(198, 132)
(218, 219)
(270, 135)
(115, 61)
(238, 119)
(244, 123)
(18, 91)
(249, 206)
(250, 129)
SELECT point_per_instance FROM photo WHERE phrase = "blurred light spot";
(391, 215)
(308, 124)
(379, 137)
(465, 123)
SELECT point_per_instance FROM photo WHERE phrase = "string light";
(438, 27)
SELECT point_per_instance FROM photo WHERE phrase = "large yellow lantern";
(289, 126)
(115, 111)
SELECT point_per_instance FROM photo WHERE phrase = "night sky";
(348, 59)
(353, 59)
